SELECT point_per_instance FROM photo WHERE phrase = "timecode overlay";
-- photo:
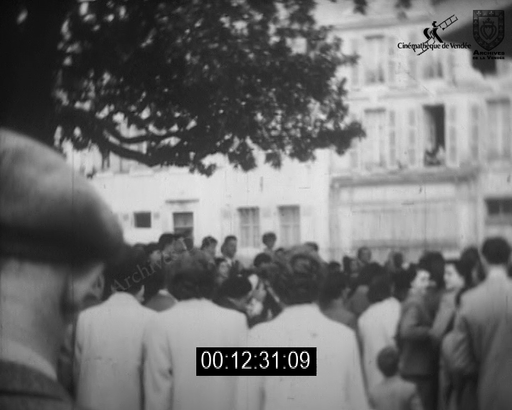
(256, 361)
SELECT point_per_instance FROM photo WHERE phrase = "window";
(474, 141)
(105, 161)
(411, 149)
(375, 60)
(499, 209)
(433, 66)
(183, 223)
(289, 221)
(355, 68)
(374, 146)
(435, 139)
(249, 227)
(393, 141)
(142, 219)
(499, 142)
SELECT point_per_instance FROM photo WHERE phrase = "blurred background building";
(434, 171)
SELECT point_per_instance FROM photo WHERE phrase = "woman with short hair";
(338, 382)
(418, 358)
(170, 379)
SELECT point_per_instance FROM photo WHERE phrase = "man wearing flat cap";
(56, 236)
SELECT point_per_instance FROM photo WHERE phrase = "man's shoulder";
(485, 296)
(22, 387)
(228, 314)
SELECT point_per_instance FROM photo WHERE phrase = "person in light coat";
(339, 380)
(481, 344)
(171, 339)
(377, 327)
(108, 346)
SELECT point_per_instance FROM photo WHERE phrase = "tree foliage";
(195, 78)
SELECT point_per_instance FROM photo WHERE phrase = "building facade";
(434, 171)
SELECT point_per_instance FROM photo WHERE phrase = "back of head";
(332, 288)
(496, 251)
(166, 239)
(380, 288)
(387, 361)
(346, 262)
(298, 281)
(235, 287)
(194, 278)
(312, 246)
(410, 274)
(433, 263)
(47, 211)
(398, 260)
(262, 259)
(126, 274)
(364, 254)
(369, 272)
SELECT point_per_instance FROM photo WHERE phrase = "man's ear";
(140, 294)
(82, 283)
(98, 287)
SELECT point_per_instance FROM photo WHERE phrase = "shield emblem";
(488, 28)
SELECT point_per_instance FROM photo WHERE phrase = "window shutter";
(451, 136)
(474, 140)
(506, 138)
(356, 68)
(393, 140)
(392, 60)
(412, 149)
(413, 62)
(450, 64)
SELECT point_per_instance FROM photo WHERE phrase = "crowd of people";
(399, 346)
(88, 319)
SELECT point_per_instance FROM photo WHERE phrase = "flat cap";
(48, 211)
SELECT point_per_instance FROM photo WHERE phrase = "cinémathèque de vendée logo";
(433, 38)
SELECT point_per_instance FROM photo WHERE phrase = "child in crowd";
(394, 393)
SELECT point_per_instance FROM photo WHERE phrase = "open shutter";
(451, 136)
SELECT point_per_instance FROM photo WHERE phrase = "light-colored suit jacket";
(339, 380)
(481, 342)
(108, 354)
(170, 343)
(377, 330)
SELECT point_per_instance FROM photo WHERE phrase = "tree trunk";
(29, 49)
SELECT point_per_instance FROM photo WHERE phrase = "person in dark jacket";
(418, 358)
(332, 302)
(57, 236)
